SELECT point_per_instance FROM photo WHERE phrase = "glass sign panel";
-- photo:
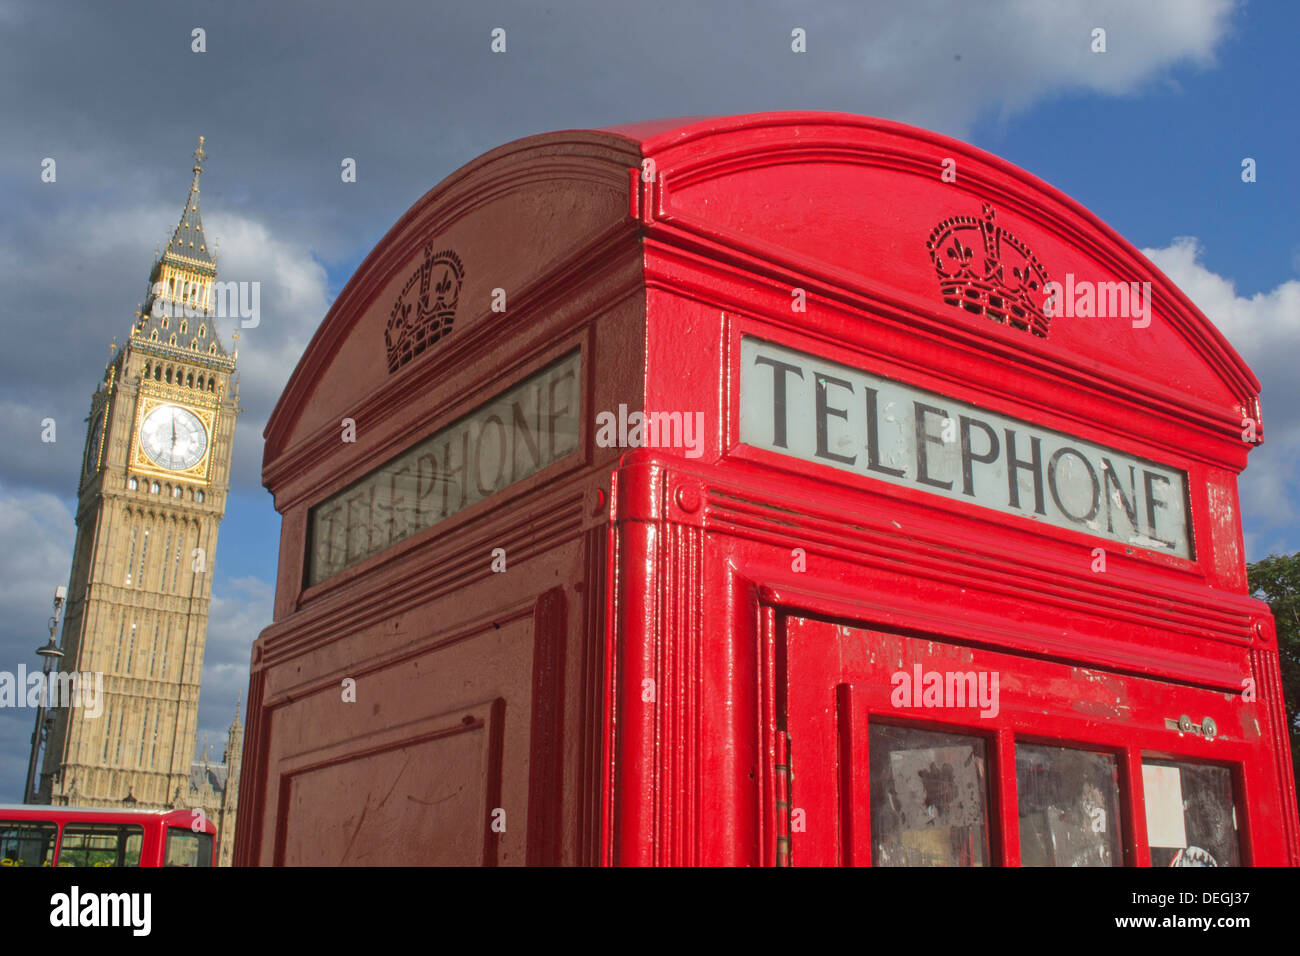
(503, 441)
(808, 407)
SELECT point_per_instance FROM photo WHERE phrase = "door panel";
(913, 752)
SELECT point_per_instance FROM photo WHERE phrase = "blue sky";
(1149, 136)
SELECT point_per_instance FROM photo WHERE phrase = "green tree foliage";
(1276, 579)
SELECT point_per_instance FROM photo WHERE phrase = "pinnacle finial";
(198, 157)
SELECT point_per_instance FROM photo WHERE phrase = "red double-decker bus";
(86, 836)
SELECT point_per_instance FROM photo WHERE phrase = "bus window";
(27, 842)
(1191, 816)
(101, 844)
(187, 848)
(1069, 807)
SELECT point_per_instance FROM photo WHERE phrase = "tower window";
(167, 640)
(153, 335)
(121, 633)
(139, 757)
(130, 560)
(176, 492)
(164, 322)
(153, 487)
(162, 580)
(203, 330)
(169, 368)
(172, 339)
(199, 497)
(194, 344)
(189, 379)
(157, 629)
(183, 326)
(132, 484)
(212, 350)
(157, 373)
(144, 552)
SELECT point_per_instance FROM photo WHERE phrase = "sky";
(1149, 135)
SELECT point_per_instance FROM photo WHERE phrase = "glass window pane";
(1069, 807)
(928, 798)
(1191, 814)
(187, 848)
(27, 842)
(101, 844)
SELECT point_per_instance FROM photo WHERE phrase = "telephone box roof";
(773, 192)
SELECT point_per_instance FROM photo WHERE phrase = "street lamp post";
(51, 653)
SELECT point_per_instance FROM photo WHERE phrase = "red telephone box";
(793, 488)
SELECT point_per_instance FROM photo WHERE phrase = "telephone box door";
(907, 751)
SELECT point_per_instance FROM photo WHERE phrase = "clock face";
(173, 437)
(92, 445)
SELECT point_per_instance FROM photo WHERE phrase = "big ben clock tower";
(152, 493)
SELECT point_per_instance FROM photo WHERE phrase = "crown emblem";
(986, 270)
(425, 308)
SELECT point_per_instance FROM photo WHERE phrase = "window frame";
(124, 831)
(188, 833)
(845, 690)
(51, 849)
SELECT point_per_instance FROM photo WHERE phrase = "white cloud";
(241, 608)
(1265, 329)
(294, 299)
(36, 530)
(959, 60)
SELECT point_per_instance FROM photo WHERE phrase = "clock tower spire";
(151, 496)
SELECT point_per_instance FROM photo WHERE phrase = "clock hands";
(178, 450)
